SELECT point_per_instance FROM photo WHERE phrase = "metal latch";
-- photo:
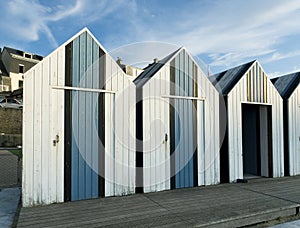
(56, 140)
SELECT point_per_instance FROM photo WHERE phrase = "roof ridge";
(226, 80)
(153, 68)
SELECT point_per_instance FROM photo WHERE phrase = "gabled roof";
(152, 69)
(287, 84)
(13, 51)
(226, 80)
(78, 34)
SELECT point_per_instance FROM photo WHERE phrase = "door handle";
(56, 140)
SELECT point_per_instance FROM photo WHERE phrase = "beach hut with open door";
(78, 133)
(289, 89)
(253, 144)
(177, 125)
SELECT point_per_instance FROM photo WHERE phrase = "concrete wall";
(10, 140)
(15, 80)
(8, 169)
(5, 83)
(11, 121)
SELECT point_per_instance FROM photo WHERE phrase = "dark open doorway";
(257, 140)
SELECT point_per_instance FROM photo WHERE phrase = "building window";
(21, 68)
(26, 55)
(20, 83)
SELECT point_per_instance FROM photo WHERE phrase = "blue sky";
(222, 33)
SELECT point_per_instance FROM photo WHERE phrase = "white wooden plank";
(132, 133)
(152, 135)
(297, 131)
(119, 132)
(201, 143)
(45, 119)
(239, 134)
(166, 112)
(206, 131)
(124, 138)
(60, 125)
(158, 132)
(53, 150)
(37, 133)
(146, 138)
(28, 157)
(162, 130)
(232, 173)
(126, 127)
(216, 135)
(109, 147)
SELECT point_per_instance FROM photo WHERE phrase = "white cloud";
(27, 19)
(279, 56)
(228, 32)
(140, 54)
(231, 31)
(275, 74)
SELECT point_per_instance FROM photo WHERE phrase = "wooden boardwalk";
(226, 205)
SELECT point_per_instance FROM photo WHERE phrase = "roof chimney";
(119, 61)
(155, 60)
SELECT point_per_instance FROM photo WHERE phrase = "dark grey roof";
(3, 69)
(286, 84)
(13, 51)
(226, 80)
(21, 53)
(152, 69)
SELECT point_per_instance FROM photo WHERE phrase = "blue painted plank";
(181, 142)
(181, 71)
(181, 111)
(88, 119)
(95, 84)
(81, 117)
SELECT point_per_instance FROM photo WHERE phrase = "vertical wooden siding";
(44, 113)
(209, 133)
(107, 152)
(294, 132)
(253, 87)
(43, 119)
(184, 122)
(156, 123)
(156, 159)
(84, 154)
(119, 131)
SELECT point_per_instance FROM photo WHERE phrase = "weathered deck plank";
(221, 205)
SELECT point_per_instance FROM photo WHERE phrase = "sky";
(220, 33)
